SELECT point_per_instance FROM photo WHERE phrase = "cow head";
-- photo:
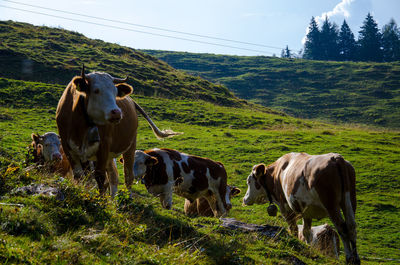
(101, 91)
(231, 191)
(143, 162)
(48, 145)
(255, 192)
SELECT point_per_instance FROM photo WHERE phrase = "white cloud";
(341, 10)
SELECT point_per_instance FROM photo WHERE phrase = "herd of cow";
(97, 122)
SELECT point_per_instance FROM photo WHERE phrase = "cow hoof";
(353, 260)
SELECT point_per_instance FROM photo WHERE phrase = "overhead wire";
(139, 31)
(145, 26)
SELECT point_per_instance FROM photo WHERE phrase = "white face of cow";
(102, 93)
(255, 192)
(231, 191)
(142, 161)
(50, 144)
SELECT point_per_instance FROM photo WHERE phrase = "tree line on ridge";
(333, 44)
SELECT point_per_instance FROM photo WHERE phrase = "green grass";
(346, 92)
(54, 55)
(86, 229)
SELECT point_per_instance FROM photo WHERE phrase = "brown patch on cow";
(185, 168)
(257, 183)
(173, 154)
(156, 174)
(177, 174)
(200, 181)
(259, 170)
(285, 164)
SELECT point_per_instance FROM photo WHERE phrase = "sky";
(235, 27)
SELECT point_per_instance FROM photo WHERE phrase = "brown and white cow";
(309, 187)
(97, 121)
(323, 238)
(201, 207)
(47, 151)
(164, 171)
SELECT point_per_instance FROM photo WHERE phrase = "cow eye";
(96, 91)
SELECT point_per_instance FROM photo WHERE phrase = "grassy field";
(85, 228)
(346, 92)
(54, 55)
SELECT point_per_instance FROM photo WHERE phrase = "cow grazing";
(97, 121)
(323, 238)
(201, 207)
(164, 171)
(309, 186)
(48, 152)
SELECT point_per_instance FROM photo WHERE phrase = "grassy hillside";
(367, 93)
(86, 229)
(53, 55)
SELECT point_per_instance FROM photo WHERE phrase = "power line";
(144, 26)
(138, 31)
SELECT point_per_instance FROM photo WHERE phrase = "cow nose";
(57, 157)
(115, 115)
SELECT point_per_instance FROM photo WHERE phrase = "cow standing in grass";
(164, 171)
(309, 187)
(97, 121)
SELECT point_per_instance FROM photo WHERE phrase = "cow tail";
(160, 134)
(347, 175)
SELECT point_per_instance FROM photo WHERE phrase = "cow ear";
(151, 161)
(235, 191)
(36, 138)
(260, 170)
(80, 84)
(123, 90)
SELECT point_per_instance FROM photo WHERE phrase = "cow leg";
(217, 192)
(100, 176)
(129, 159)
(213, 205)
(113, 177)
(307, 230)
(342, 229)
(348, 211)
(291, 219)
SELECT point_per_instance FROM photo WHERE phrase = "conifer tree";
(329, 41)
(346, 43)
(312, 45)
(286, 53)
(369, 41)
(391, 42)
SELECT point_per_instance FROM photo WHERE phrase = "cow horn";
(83, 72)
(120, 80)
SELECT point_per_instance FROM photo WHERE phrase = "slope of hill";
(53, 55)
(84, 228)
(349, 92)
